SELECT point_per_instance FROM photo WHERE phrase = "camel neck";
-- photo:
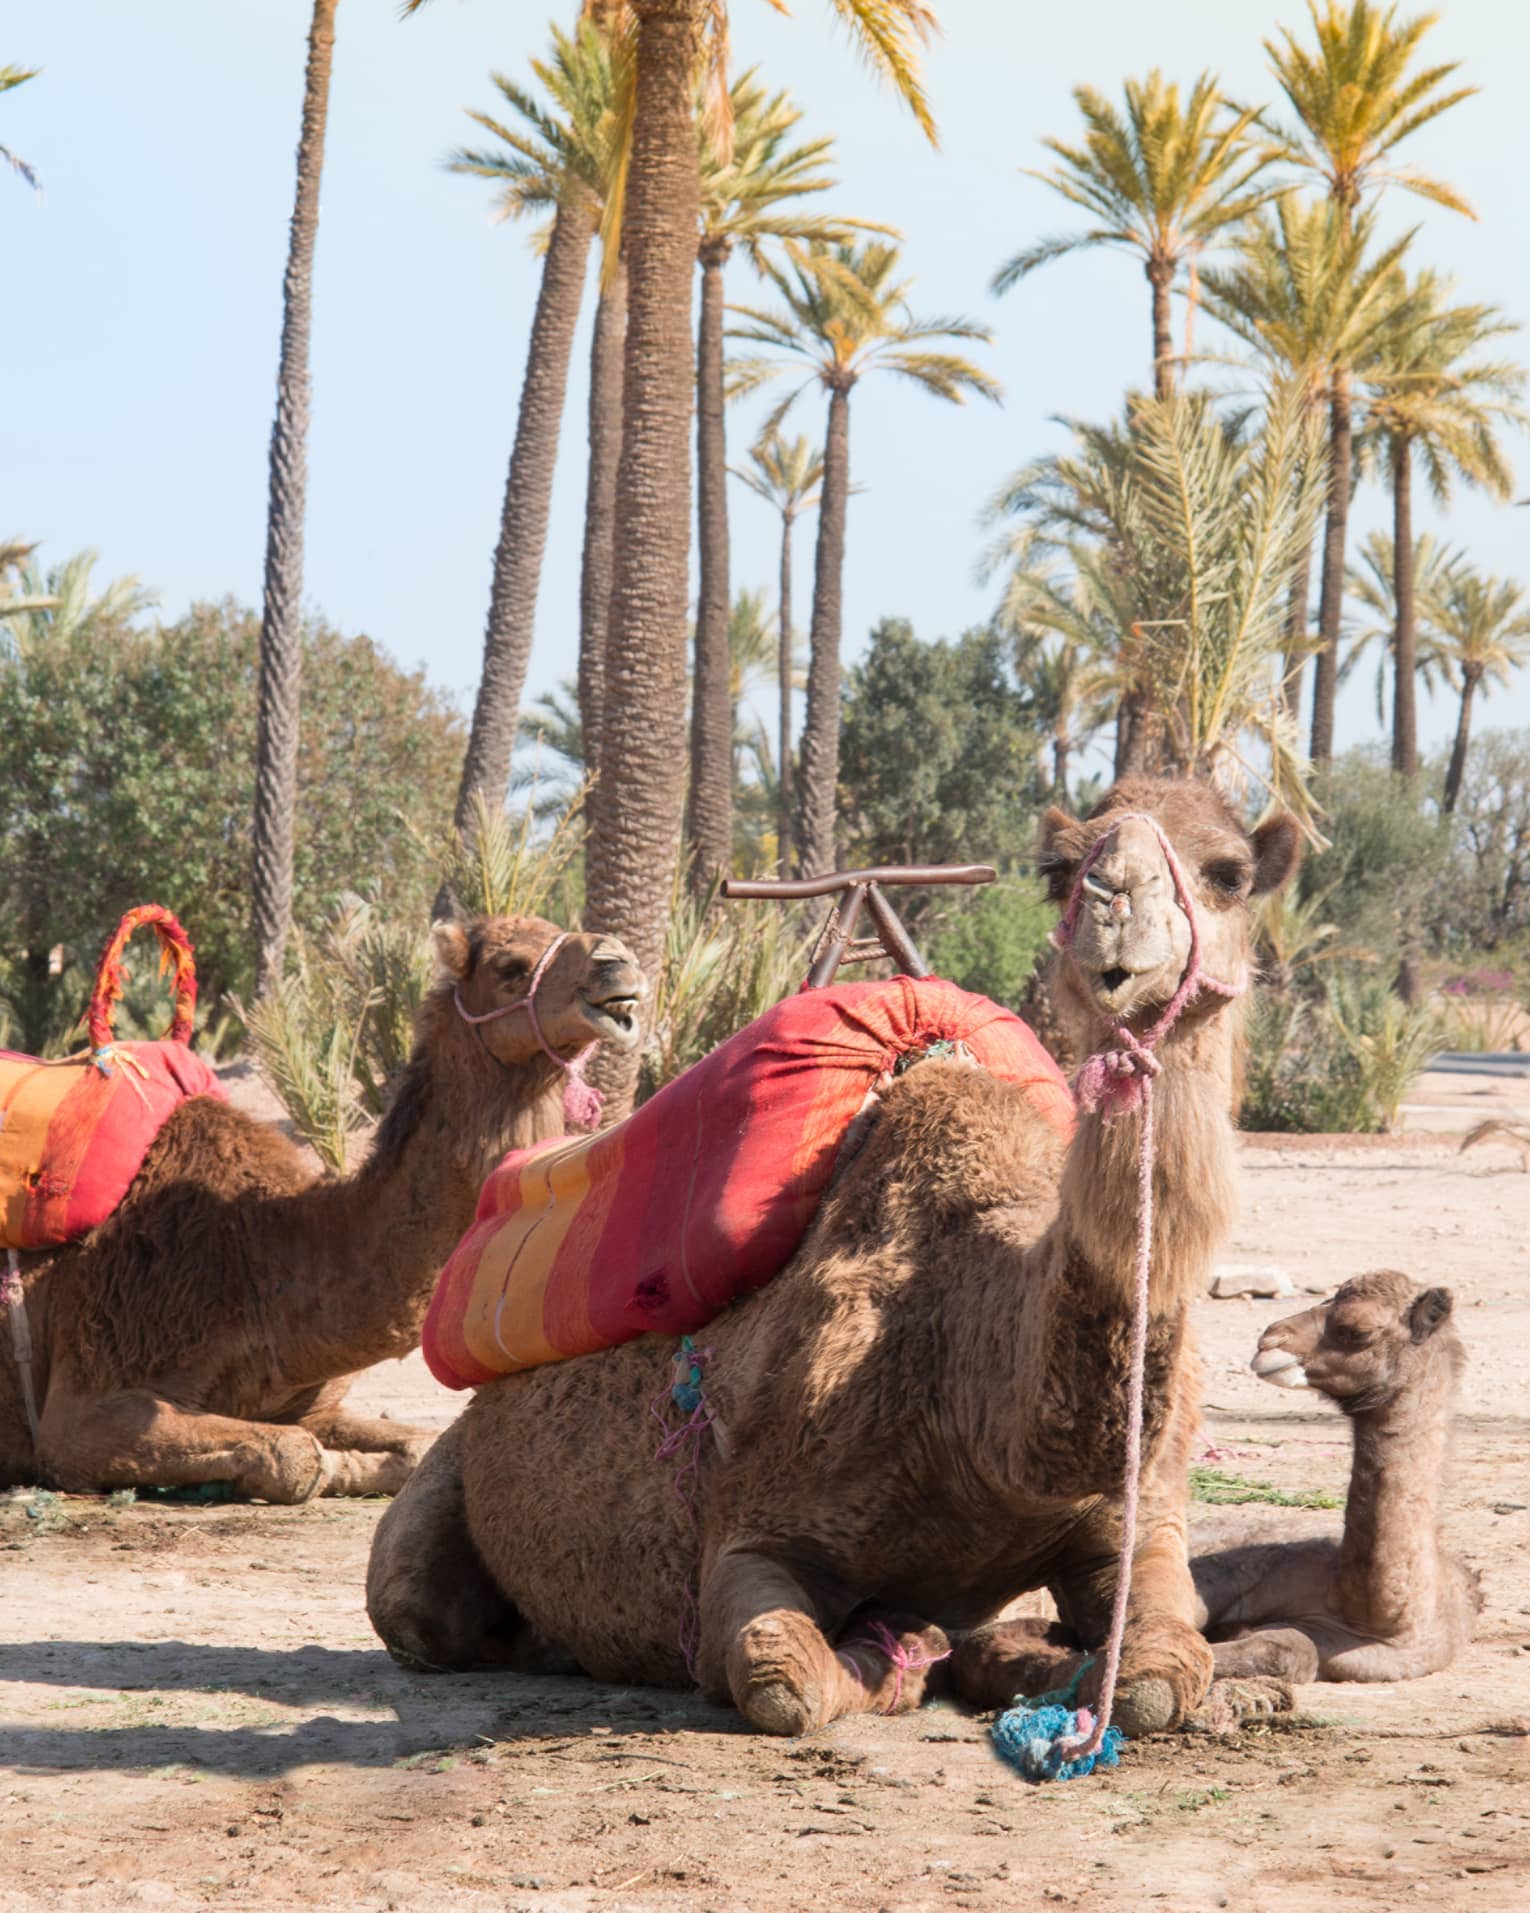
(373, 1244)
(1389, 1560)
(1194, 1176)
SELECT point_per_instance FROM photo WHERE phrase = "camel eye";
(1348, 1335)
(1228, 875)
(512, 969)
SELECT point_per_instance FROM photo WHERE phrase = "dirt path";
(193, 1711)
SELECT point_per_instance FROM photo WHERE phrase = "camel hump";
(706, 1191)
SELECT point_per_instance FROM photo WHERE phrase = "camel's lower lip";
(619, 1016)
(1280, 1367)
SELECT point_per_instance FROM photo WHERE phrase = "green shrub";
(990, 943)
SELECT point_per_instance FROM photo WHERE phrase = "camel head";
(1131, 938)
(1365, 1345)
(589, 991)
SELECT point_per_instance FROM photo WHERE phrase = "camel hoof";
(775, 1707)
(1148, 1706)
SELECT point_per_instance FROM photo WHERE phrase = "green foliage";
(991, 944)
(127, 775)
(339, 1025)
(1224, 1490)
(938, 752)
(1489, 892)
(724, 965)
(504, 865)
(1342, 1062)
(1387, 852)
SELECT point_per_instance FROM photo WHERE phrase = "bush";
(990, 944)
(1340, 1062)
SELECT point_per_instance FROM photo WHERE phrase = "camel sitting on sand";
(210, 1328)
(1385, 1602)
(924, 1414)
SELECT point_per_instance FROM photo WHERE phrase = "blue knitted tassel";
(1029, 1736)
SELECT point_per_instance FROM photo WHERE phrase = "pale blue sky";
(142, 313)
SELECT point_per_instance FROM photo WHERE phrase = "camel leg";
(431, 1599)
(996, 1665)
(1278, 1653)
(364, 1454)
(1166, 1663)
(136, 1439)
(762, 1644)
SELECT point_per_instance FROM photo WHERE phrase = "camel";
(923, 1415)
(1385, 1602)
(210, 1328)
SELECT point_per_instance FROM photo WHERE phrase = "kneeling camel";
(210, 1328)
(924, 1415)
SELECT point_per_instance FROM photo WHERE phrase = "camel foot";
(890, 1659)
(1166, 1669)
(772, 1674)
(1233, 1702)
(1005, 1661)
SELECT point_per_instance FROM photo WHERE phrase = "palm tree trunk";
(630, 863)
(1405, 641)
(1296, 630)
(1331, 603)
(523, 517)
(1060, 769)
(711, 825)
(281, 632)
(605, 441)
(1457, 769)
(785, 783)
(820, 732)
(1160, 276)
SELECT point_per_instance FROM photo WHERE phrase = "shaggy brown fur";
(209, 1330)
(924, 1414)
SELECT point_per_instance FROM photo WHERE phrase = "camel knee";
(1166, 1672)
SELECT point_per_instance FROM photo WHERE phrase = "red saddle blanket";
(72, 1138)
(705, 1192)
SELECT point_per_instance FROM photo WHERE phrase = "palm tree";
(1482, 628)
(555, 159)
(1066, 688)
(746, 200)
(1310, 292)
(1355, 103)
(846, 314)
(787, 474)
(1429, 393)
(281, 636)
(635, 834)
(1176, 549)
(1163, 181)
(1373, 583)
(13, 76)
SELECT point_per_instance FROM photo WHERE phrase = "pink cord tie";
(582, 1101)
(1111, 1081)
(884, 1641)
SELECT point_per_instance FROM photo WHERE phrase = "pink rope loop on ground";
(1113, 1080)
(582, 1102)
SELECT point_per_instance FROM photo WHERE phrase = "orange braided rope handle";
(175, 953)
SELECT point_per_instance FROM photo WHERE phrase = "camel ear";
(1427, 1313)
(1277, 853)
(1058, 852)
(453, 951)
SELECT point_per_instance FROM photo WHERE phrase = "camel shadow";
(395, 1718)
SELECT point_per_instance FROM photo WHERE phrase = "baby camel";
(1383, 1603)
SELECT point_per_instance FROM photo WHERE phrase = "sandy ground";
(193, 1711)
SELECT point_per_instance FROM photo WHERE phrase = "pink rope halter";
(1111, 1081)
(582, 1102)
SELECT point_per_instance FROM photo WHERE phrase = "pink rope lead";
(1111, 1081)
(582, 1102)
